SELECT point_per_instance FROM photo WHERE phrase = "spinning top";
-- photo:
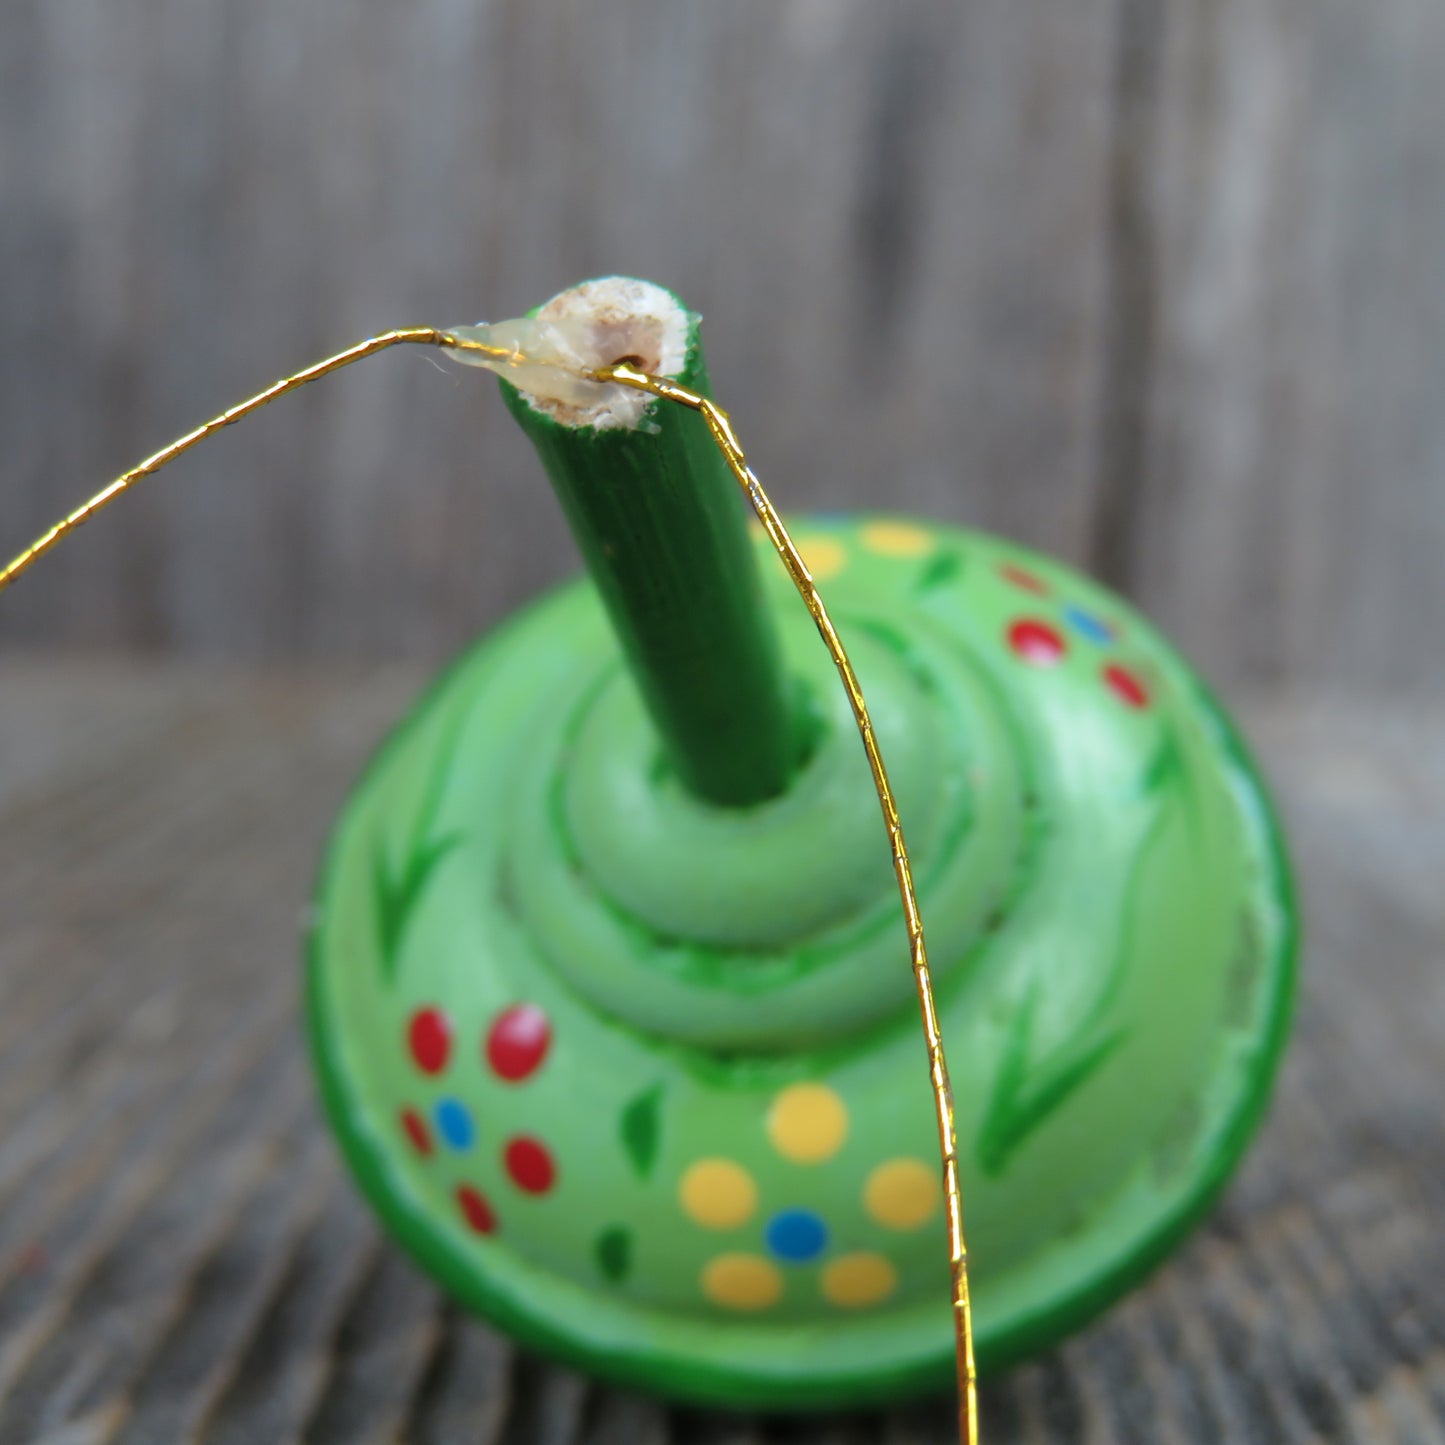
(609, 992)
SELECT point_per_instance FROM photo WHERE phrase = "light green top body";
(642, 1078)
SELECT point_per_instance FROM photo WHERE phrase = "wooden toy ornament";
(606, 988)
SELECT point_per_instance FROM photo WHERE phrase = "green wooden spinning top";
(609, 991)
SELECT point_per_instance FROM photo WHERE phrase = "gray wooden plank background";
(183, 1260)
(1155, 284)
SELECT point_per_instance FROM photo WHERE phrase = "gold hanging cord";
(720, 428)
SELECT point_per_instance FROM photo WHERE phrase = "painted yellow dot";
(896, 539)
(742, 1282)
(718, 1194)
(825, 556)
(855, 1281)
(808, 1123)
(902, 1193)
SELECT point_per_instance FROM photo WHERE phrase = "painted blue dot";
(797, 1235)
(1087, 625)
(454, 1124)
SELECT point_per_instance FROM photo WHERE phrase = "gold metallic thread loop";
(719, 425)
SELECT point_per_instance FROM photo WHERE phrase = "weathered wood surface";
(1156, 284)
(181, 1259)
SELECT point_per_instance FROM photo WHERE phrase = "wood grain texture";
(1292, 487)
(895, 219)
(1158, 285)
(181, 1259)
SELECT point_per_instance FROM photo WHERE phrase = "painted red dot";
(476, 1210)
(1036, 642)
(416, 1131)
(530, 1165)
(1127, 686)
(518, 1041)
(430, 1038)
(1026, 581)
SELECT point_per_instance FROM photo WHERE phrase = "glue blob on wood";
(596, 324)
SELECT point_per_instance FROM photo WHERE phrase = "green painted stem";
(663, 532)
